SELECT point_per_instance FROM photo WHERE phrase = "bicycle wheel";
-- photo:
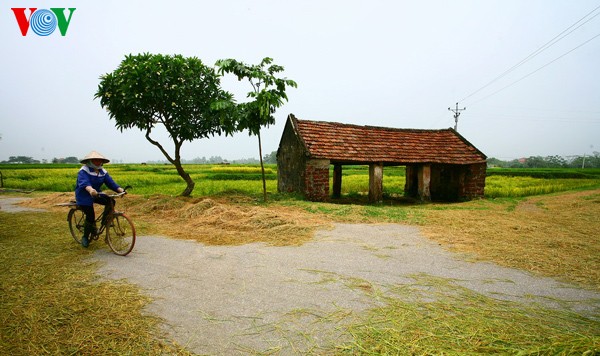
(76, 220)
(120, 234)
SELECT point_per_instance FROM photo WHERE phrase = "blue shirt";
(89, 177)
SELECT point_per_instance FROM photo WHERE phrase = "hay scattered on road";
(51, 301)
(552, 235)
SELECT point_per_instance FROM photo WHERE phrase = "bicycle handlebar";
(117, 194)
(113, 195)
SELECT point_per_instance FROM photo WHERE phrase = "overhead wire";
(544, 47)
(535, 71)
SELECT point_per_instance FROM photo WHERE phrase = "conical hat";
(94, 155)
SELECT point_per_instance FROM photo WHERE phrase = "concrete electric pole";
(456, 115)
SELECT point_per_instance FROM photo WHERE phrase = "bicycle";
(119, 228)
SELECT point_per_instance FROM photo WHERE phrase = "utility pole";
(456, 115)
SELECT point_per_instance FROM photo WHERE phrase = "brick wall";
(473, 183)
(316, 179)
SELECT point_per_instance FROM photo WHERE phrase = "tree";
(180, 93)
(71, 159)
(268, 93)
(270, 157)
(21, 160)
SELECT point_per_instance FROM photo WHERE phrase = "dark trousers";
(90, 215)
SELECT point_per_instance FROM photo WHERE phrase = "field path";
(223, 300)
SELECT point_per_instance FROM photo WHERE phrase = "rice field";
(246, 179)
(515, 187)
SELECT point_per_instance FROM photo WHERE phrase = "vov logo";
(43, 22)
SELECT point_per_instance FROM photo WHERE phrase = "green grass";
(247, 179)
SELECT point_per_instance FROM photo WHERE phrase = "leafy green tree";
(71, 159)
(268, 94)
(271, 157)
(179, 93)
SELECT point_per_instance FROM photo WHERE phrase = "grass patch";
(51, 301)
(434, 316)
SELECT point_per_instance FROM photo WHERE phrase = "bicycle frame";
(118, 227)
(103, 219)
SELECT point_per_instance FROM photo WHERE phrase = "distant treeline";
(591, 161)
(270, 158)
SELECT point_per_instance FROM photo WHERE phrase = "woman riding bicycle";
(90, 179)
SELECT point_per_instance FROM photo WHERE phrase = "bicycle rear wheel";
(76, 220)
(120, 234)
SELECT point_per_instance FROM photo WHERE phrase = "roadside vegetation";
(52, 302)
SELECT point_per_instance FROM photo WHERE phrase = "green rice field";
(218, 179)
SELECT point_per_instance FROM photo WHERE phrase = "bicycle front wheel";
(76, 220)
(120, 234)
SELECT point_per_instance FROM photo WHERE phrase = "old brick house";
(440, 164)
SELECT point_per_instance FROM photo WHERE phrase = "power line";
(547, 45)
(537, 70)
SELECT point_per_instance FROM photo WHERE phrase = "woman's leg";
(90, 219)
(108, 203)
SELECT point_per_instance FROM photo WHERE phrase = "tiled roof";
(346, 143)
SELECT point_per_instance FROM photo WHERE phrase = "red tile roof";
(346, 143)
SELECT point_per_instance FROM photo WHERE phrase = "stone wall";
(291, 161)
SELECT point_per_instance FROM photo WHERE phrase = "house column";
(376, 182)
(424, 182)
(337, 180)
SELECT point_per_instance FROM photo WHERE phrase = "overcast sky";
(383, 63)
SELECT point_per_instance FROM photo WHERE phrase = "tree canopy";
(180, 93)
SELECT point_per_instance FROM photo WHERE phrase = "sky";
(389, 63)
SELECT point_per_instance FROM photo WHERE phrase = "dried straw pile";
(231, 221)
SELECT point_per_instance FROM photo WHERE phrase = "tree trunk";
(186, 177)
(175, 161)
(262, 168)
